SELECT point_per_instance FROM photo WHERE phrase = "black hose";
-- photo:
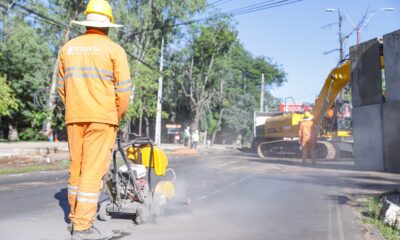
(151, 163)
(132, 178)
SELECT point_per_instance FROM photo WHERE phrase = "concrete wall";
(391, 136)
(376, 123)
(391, 49)
(366, 73)
(367, 133)
(391, 109)
(367, 106)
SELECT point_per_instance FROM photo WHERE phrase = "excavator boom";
(335, 82)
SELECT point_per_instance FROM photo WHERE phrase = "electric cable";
(239, 11)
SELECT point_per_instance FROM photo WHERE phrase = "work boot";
(70, 228)
(89, 234)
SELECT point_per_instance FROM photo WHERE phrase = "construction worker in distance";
(94, 84)
(186, 136)
(195, 139)
(308, 137)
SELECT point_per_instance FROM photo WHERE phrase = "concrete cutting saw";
(128, 185)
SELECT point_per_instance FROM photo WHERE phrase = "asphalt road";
(233, 196)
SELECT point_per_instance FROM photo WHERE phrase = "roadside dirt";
(50, 159)
(32, 159)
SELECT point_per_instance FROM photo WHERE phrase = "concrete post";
(367, 103)
(391, 108)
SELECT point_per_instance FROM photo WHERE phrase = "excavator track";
(291, 149)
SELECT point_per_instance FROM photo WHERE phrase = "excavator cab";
(337, 121)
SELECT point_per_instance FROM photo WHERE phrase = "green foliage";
(7, 100)
(31, 134)
(373, 207)
(242, 90)
(238, 114)
(209, 78)
(27, 63)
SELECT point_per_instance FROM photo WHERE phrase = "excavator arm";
(335, 82)
(280, 131)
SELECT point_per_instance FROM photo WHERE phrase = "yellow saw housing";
(160, 160)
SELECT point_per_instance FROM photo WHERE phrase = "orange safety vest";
(307, 130)
(94, 80)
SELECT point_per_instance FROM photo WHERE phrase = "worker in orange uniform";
(94, 84)
(308, 137)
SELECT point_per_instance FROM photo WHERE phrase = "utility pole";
(341, 52)
(356, 27)
(341, 39)
(157, 137)
(262, 94)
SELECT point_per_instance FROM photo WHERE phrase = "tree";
(71, 11)
(210, 81)
(26, 61)
(152, 20)
(207, 43)
(7, 100)
(242, 88)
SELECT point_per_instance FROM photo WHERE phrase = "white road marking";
(231, 184)
(203, 197)
(339, 221)
(217, 191)
(242, 179)
(329, 220)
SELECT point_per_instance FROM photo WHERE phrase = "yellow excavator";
(280, 138)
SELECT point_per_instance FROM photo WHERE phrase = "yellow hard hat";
(100, 7)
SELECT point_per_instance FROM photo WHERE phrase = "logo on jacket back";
(82, 50)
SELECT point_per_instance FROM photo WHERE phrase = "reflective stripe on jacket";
(94, 80)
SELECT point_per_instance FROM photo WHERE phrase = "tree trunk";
(53, 86)
(146, 120)
(140, 119)
(157, 137)
(196, 121)
(218, 126)
(12, 133)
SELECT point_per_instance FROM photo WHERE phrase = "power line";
(264, 7)
(44, 19)
(251, 6)
(243, 10)
(222, 3)
(307, 95)
(239, 11)
(305, 91)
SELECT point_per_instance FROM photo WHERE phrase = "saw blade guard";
(142, 155)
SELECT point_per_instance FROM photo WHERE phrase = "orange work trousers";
(90, 148)
(308, 146)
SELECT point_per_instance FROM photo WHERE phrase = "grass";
(58, 165)
(372, 208)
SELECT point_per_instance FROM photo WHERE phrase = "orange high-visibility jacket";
(94, 80)
(307, 131)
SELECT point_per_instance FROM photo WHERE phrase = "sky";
(293, 36)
